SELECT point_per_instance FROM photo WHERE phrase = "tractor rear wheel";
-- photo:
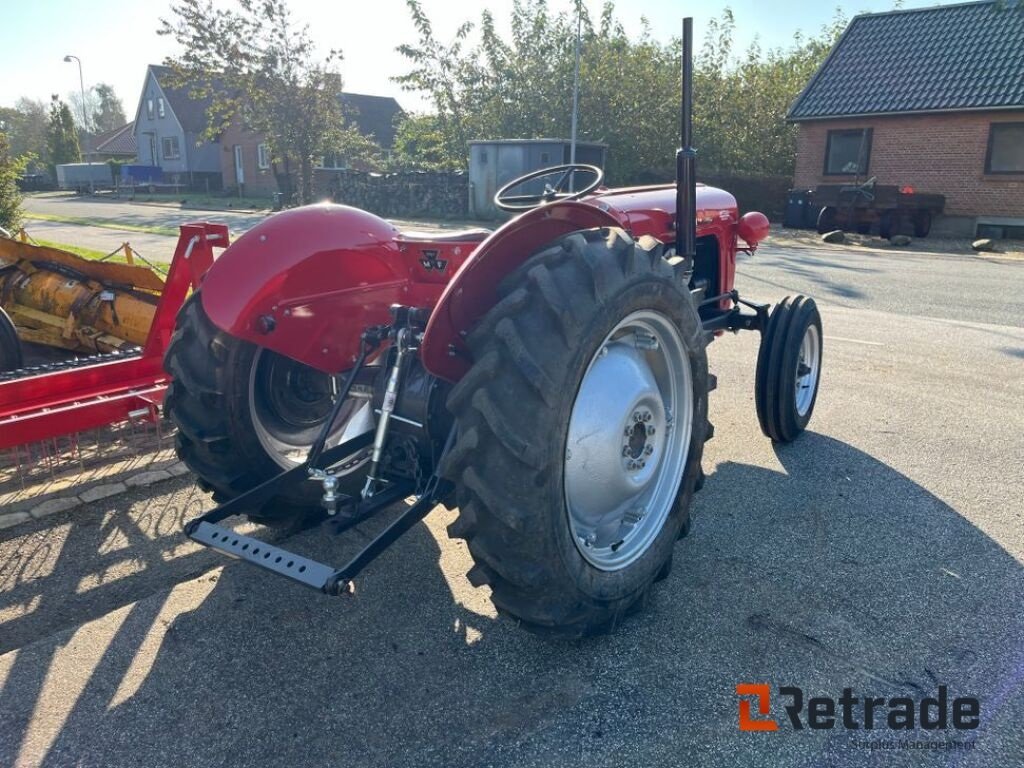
(581, 427)
(245, 414)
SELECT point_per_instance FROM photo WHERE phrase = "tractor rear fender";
(306, 282)
(473, 289)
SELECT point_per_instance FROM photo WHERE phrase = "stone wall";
(408, 194)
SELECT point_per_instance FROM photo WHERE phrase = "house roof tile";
(968, 56)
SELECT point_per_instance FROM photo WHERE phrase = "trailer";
(84, 177)
(85, 393)
(861, 207)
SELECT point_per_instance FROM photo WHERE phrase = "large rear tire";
(245, 414)
(581, 427)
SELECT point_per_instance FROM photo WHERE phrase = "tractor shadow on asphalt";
(833, 571)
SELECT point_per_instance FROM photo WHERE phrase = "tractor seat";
(473, 235)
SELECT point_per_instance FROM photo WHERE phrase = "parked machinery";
(549, 378)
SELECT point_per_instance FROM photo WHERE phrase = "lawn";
(107, 223)
(85, 253)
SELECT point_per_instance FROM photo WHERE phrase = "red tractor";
(549, 378)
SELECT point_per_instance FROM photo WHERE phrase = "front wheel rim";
(628, 440)
(808, 367)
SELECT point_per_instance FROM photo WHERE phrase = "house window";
(848, 152)
(149, 108)
(169, 147)
(332, 161)
(160, 106)
(1005, 148)
(263, 156)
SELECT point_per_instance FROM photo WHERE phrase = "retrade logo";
(939, 712)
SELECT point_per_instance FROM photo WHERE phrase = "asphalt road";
(882, 551)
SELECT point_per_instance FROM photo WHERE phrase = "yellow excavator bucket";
(62, 300)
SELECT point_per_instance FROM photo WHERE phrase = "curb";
(95, 493)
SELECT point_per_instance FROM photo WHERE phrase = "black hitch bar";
(324, 578)
(735, 319)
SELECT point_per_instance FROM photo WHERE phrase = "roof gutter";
(903, 113)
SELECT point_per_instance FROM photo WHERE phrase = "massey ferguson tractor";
(549, 378)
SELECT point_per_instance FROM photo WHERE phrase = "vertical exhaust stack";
(686, 158)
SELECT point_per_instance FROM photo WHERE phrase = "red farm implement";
(78, 395)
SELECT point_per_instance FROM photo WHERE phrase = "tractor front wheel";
(245, 414)
(788, 368)
(581, 427)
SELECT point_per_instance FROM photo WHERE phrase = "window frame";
(262, 156)
(869, 131)
(163, 148)
(149, 108)
(990, 145)
(161, 109)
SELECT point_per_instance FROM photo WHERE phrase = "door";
(239, 168)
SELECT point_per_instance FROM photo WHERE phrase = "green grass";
(211, 202)
(85, 253)
(107, 223)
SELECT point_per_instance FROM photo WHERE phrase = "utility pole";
(575, 91)
(81, 85)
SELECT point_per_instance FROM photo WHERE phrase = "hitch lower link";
(376, 495)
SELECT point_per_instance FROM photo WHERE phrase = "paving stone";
(102, 492)
(53, 506)
(144, 479)
(13, 518)
(178, 469)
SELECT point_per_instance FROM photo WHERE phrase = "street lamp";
(81, 85)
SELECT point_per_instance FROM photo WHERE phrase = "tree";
(84, 117)
(10, 196)
(421, 145)
(520, 86)
(26, 127)
(259, 68)
(109, 113)
(61, 136)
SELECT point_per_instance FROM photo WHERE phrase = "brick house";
(245, 159)
(932, 98)
(170, 124)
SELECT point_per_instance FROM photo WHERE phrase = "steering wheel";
(556, 191)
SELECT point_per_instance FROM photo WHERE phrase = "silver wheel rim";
(629, 436)
(808, 365)
(354, 420)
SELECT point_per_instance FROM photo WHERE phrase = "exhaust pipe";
(686, 158)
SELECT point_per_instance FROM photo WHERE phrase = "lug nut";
(637, 417)
(648, 450)
(625, 450)
(647, 416)
(650, 429)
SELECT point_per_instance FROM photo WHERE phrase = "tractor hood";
(650, 210)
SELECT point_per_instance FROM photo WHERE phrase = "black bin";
(798, 209)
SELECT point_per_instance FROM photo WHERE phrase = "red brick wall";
(942, 153)
(258, 182)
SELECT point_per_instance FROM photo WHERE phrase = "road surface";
(882, 551)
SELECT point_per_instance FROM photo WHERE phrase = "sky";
(116, 39)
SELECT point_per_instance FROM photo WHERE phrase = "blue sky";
(117, 38)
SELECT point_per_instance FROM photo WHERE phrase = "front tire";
(789, 368)
(245, 414)
(581, 427)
